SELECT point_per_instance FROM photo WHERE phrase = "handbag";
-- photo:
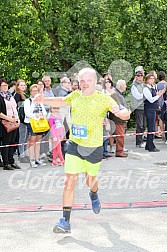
(39, 125)
(10, 126)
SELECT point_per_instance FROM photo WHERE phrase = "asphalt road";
(30, 203)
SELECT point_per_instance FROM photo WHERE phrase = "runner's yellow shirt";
(87, 114)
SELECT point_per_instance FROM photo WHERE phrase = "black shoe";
(154, 150)
(1, 164)
(50, 159)
(15, 166)
(107, 156)
(8, 167)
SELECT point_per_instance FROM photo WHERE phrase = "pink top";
(11, 108)
(56, 126)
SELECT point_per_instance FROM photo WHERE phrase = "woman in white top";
(36, 111)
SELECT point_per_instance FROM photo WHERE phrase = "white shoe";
(111, 150)
(40, 162)
(165, 142)
(143, 145)
(125, 150)
(33, 164)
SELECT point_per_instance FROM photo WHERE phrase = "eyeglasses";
(139, 75)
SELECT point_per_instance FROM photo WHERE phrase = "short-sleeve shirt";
(89, 112)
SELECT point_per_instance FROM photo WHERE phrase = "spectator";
(108, 87)
(74, 85)
(20, 97)
(106, 130)
(120, 124)
(41, 85)
(8, 111)
(137, 106)
(48, 92)
(12, 87)
(150, 106)
(36, 111)
(57, 132)
(160, 86)
(65, 88)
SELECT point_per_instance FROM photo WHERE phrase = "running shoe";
(40, 162)
(95, 204)
(33, 164)
(62, 226)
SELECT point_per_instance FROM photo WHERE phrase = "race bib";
(58, 124)
(79, 131)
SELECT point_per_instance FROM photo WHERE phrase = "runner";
(85, 147)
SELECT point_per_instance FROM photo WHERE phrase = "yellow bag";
(39, 126)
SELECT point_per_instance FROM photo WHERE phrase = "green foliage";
(52, 35)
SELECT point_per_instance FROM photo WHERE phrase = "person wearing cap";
(137, 105)
(139, 69)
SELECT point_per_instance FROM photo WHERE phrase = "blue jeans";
(23, 136)
(151, 118)
(105, 144)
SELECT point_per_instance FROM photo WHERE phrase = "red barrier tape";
(121, 135)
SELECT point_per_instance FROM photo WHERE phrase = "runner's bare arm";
(121, 112)
(55, 101)
(51, 101)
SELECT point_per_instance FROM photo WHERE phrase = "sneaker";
(40, 162)
(125, 150)
(111, 150)
(95, 204)
(62, 226)
(165, 142)
(33, 164)
(142, 145)
(61, 163)
(55, 163)
(50, 160)
(145, 139)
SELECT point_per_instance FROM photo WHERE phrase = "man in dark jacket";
(120, 124)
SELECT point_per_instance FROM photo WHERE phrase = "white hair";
(87, 70)
(120, 83)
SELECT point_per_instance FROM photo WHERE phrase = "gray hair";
(120, 83)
